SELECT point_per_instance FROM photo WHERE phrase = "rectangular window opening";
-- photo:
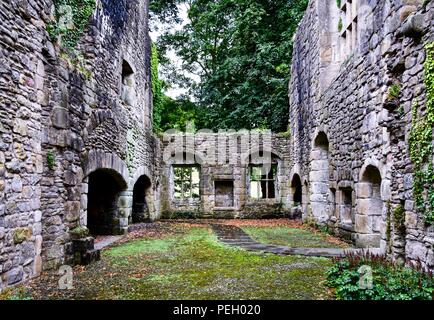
(262, 183)
(186, 182)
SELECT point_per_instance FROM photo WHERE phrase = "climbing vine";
(421, 148)
(157, 92)
(71, 19)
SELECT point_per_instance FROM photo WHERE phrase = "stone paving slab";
(103, 242)
(235, 236)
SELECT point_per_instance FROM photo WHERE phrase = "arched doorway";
(369, 208)
(105, 185)
(296, 191)
(319, 178)
(140, 204)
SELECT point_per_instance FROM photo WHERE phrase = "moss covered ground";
(292, 237)
(185, 262)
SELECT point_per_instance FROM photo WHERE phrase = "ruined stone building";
(78, 152)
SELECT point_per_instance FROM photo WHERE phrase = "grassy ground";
(186, 263)
(292, 237)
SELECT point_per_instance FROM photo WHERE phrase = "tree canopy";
(241, 50)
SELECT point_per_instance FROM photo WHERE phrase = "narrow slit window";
(127, 85)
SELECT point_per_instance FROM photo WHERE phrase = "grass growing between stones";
(193, 265)
(293, 237)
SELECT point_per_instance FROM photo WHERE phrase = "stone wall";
(64, 118)
(224, 159)
(349, 142)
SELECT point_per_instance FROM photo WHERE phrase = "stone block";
(364, 190)
(368, 240)
(60, 118)
(363, 224)
(14, 275)
(319, 176)
(416, 250)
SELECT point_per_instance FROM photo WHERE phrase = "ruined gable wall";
(224, 157)
(361, 129)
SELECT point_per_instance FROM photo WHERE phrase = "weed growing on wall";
(421, 148)
(71, 19)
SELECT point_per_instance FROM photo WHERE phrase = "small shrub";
(184, 215)
(394, 91)
(389, 281)
(340, 25)
(51, 160)
(399, 219)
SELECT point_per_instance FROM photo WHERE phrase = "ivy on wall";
(71, 19)
(421, 148)
(157, 90)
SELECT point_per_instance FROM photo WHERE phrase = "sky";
(175, 91)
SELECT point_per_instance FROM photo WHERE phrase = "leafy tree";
(241, 50)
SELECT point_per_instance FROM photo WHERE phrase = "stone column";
(125, 209)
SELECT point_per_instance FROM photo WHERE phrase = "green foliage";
(51, 160)
(399, 219)
(81, 11)
(185, 215)
(421, 148)
(388, 222)
(291, 237)
(389, 281)
(340, 25)
(394, 91)
(181, 113)
(339, 3)
(157, 85)
(79, 232)
(241, 50)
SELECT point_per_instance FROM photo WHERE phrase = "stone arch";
(256, 155)
(102, 166)
(370, 207)
(319, 178)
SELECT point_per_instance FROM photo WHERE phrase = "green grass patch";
(192, 266)
(290, 237)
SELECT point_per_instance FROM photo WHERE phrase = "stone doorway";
(105, 187)
(140, 204)
(369, 209)
(319, 179)
(297, 191)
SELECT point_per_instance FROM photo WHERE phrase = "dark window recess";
(224, 194)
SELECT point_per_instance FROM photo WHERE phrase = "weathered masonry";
(78, 157)
(359, 96)
(226, 175)
(76, 143)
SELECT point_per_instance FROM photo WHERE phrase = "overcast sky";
(175, 60)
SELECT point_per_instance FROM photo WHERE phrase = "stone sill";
(225, 209)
